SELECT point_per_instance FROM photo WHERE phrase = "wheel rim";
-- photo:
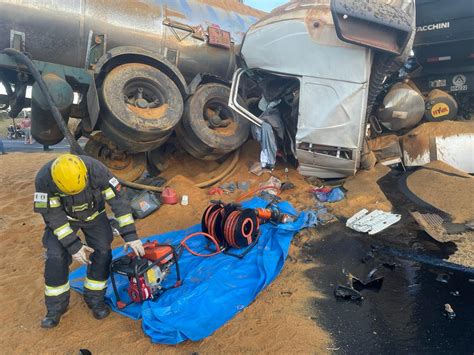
(145, 98)
(219, 117)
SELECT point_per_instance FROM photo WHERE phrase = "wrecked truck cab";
(330, 49)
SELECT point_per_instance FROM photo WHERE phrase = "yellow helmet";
(69, 173)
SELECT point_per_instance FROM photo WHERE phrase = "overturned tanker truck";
(134, 72)
(326, 76)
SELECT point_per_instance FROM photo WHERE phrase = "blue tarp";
(214, 289)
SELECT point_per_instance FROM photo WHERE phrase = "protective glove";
(81, 256)
(136, 246)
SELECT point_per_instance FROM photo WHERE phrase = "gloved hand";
(136, 246)
(81, 256)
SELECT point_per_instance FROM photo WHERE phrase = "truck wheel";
(209, 128)
(132, 144)
(139, 100)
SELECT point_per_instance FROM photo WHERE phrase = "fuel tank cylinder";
(440, 106)
(403, 107)
(60, 31)
(43, 126)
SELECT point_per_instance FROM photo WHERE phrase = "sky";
(265, 5)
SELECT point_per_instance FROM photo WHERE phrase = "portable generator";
(145, 274)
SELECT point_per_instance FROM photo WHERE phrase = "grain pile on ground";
(280, 320)
(451, 191)
(445, 188)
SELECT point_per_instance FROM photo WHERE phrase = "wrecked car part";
(378, 25)
(342, 81)
(209, 129)
(348, 293)
(372, 281)
(448, 141)
(373, 222)
(434, 225)
(440, 106)
(387, 149)
(402, 107)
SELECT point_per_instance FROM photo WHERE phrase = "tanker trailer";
(320, 66)
(139, 70)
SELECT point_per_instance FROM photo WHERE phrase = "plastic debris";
(169, 196)
(449, 312)
(455, 293)
(336, 195)
(243, 185)
(228, 187)
(185, 200)
(328, 194)
(373, 222)
(216, 191)
(273, 181)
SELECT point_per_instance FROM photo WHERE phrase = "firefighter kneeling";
(71, 192)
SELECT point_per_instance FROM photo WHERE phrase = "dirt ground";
(281, 320)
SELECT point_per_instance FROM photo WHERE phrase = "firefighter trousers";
(98, 234)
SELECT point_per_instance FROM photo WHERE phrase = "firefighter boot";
(56, 306)
(95, 301)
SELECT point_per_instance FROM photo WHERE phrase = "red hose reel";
(231, 226)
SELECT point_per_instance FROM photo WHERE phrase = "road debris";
(373, 222)
(169, 196)
(347, 293)
(449, 312)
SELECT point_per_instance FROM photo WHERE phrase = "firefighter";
(71, 192)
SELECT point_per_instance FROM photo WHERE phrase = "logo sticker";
(459, 80)
(114, 182)
(41, 197)
(440, 110)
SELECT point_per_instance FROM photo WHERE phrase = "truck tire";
(140, 103)
(132, 144)
(209, 128)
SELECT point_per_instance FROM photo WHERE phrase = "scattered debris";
(286, 293)
(257, 169)
(372, 281)
(287, 186)
(455, 293)
(442, 277)
(449, 312)
(243, 185)
(347, 293)
(229, 187)
(328, 194)
(273, 181)
(144, 204)
(435, 226)
(373, 222)
(184, 200)
(169, 196)
(216, 191)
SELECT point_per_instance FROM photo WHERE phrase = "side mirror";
(373, 24)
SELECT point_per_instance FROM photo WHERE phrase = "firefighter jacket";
(60, 211)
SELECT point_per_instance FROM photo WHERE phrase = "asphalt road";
(19, 146)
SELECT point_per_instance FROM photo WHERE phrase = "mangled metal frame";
(328, 145)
